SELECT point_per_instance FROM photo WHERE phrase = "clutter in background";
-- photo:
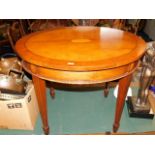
(18, 102)
(12, 83)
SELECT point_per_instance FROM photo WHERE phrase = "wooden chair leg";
(52, 92)
(106, 89)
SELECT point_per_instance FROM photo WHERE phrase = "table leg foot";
(46, 130)
(115, 127)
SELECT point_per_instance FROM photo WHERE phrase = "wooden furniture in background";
(80, 55)
(85, 22)
(133, 26)
(44, 24)
(3, 36)
(14, 33)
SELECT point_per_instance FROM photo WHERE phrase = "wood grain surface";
(81, 48)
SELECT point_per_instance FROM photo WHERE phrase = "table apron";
(80, 77)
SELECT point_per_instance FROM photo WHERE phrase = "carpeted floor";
(87, 112)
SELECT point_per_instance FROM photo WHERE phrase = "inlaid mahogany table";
(80, 55)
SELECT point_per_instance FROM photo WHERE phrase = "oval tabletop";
(80, 48)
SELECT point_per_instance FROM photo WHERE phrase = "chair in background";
(44, 24)
(134, 25)
(14, 33)
(131, 25)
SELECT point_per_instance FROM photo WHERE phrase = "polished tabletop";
(81, 48)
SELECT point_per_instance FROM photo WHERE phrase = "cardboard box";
(20, 113)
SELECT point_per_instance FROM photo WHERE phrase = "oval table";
(80, 55)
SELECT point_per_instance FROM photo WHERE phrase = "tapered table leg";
(52, 92)
(122, 92)
(106, 89)
(40, 88)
